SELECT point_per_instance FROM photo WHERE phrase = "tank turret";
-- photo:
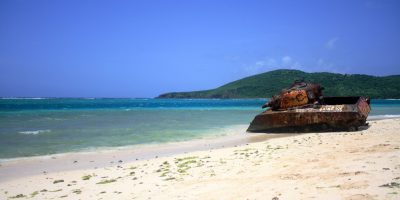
(300, 93)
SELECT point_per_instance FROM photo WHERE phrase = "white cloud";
(286, 61)
(260, 63)
(289, 62)
(268, 64)
(296, 65)
(330, 44)
(324, 65)
(256, 68)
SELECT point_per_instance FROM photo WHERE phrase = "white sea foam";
(374, 117)
(34, 132)
(30, 98)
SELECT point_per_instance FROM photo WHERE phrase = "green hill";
(270, 83)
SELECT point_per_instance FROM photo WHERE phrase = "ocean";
(44, 126)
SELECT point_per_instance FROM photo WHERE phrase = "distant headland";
(266, 84)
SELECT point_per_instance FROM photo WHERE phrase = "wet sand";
(16, 168)
(339, 165)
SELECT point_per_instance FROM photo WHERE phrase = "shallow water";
(31, 127)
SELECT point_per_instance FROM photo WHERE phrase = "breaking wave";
(36, 132)
(30, 98)
(383, 117)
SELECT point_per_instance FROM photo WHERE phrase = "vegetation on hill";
(271, 83)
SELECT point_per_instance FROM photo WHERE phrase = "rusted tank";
(298, 94)
(319, 114)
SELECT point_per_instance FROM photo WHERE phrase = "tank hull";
(340, 113)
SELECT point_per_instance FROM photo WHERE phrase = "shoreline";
(107, 157)
(211, 139)
(333, 165)
(11, 168)
(382, 117)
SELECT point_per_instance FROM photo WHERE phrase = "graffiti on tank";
(332, 108)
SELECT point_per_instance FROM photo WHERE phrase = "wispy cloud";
(289, 62)
(324, 65)
(269, 63)
(331, 43)
(286, 61)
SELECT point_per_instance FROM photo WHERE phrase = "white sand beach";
(335, 165)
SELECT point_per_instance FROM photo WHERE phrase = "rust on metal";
(298, 94)
(293, 98)
(290, 112)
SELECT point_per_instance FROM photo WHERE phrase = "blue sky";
(80, 48)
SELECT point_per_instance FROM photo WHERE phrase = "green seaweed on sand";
(212, 173)
(247, 152)
(18, 196)
(170, 178)
(332, 186)
(186, 163)
(244, 150)
(221, 161)
(184, 166)
(164, 174)
(55, 190)
(391, 185)
(33, 194)
(185, 158)
(86, 177)
(77, 191)
(106, 181)
(58, 181)
(164, 169)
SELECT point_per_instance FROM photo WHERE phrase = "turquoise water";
(31, 127)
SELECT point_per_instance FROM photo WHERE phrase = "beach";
(337, 165)
(199, 100)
